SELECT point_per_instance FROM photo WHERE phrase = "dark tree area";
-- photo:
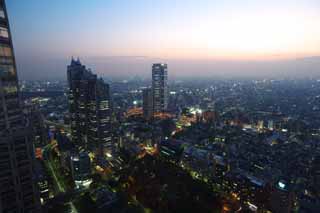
(167, 126)
(164, 187)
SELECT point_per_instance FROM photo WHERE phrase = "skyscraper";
(89, 106)
(81, 169)
(160, 87)
(18, 192)
(147, 103)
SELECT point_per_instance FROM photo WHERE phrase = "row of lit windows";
(6, 70)
(10, 89)
(5, 50)
(2, 13)
(6, 60)
(4, 32)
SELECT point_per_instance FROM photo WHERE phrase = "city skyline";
(159, 106)
(212, 38)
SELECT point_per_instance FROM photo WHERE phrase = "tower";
(81, 169)
(89, 107)
(18, 192)
(147, 103)
(160, 87)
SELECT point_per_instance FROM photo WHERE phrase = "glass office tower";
(147, 103)
(89, 107)
(18, 192)
(160, 87)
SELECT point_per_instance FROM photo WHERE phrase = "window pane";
(4, 32)
(7, 72)
(5, 50)
(2, 15)
(6, 60)
(10, 90)
(4, 69)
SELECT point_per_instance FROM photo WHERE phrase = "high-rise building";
(18, 191)
(160, 87)
(36, 120)
(147, 103)
(90, 112)
(81, 169)
(270, 125)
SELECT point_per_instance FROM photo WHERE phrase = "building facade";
(18, 191)
(81, 169)
(160, 87)
(90, 111)
(147, 103)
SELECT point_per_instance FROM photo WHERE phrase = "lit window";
(6, 70)
(10, 89)
(4, 32)
(2, 14)
(5, 51)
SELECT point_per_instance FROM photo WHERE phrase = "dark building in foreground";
(89, 106)
(160, 87)
(282, 197)
(18, 192)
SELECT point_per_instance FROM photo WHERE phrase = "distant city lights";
(195, 111)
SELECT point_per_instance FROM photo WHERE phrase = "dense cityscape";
(89, 143)
(229, 137)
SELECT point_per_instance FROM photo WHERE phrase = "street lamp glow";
(281, 185)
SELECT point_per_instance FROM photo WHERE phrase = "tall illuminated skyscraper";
(18, 192)
(89, 106)
(160, 87)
